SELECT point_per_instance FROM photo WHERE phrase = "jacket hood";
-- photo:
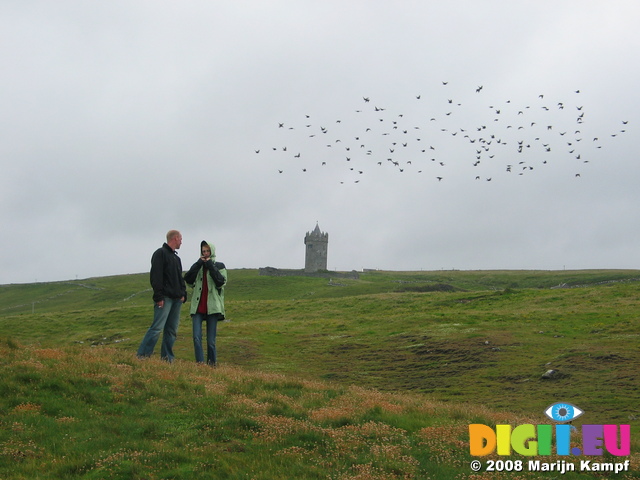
(211, 246)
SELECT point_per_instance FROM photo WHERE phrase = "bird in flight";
(541, 137)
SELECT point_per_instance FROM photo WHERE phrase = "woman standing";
(208, 279)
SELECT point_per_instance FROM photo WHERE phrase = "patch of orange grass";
(27, 408)
(18, 427)
(275, 427)
(356, 401)
(634, 466)
(372, 437)
(30, 363)
(101, 377)
(367, 471)
(50, 353)
(241, 375)
(250, 403)
(214, 388)
(295, 451)
(330, 413)
(382, 441)
(65, 419)
(113, 460)
(18, 450)
(314, 385)
(444, 443)
(165, 375)
(449, 434)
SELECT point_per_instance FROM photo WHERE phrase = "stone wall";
(281, 272)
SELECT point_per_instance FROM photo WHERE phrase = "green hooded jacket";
(216, 281)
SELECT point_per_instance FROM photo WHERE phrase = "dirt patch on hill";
(411, 362)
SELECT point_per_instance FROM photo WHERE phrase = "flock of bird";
(489, 139)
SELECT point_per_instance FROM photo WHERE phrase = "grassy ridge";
(371, 378)
(96, 413)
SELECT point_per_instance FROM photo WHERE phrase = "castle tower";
(316, 251)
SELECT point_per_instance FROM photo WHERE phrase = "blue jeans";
(165, 320)
(212, 326)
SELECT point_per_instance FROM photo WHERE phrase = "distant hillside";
(417, 331)
(310, 368)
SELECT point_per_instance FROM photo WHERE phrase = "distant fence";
(79, 286)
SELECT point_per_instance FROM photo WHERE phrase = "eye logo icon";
(563, 412)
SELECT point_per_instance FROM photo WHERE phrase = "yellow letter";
(503, 432)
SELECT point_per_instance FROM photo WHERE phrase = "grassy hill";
(375, 378)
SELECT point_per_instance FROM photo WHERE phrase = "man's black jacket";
(166, 275)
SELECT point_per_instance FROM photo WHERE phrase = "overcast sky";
(120, 120)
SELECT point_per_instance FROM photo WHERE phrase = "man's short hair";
(171, 234)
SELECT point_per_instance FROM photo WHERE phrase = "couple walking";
(208, 279)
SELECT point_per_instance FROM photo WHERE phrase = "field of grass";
(375, 378)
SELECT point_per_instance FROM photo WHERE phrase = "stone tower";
(316, 251)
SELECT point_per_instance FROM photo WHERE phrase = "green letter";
(523, 435)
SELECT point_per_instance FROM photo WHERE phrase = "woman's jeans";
(212, 326)
(165, 320)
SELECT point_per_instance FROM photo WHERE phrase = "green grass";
(375, 378)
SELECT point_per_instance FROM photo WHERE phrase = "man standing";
(169, 293)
